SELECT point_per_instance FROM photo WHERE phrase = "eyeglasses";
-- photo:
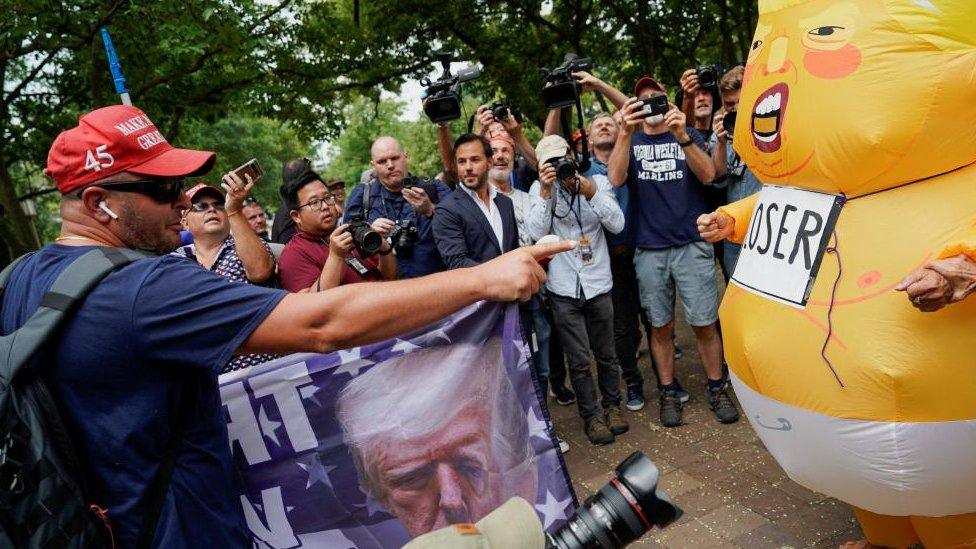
(319, 203)
(204, 206)
(164, 191)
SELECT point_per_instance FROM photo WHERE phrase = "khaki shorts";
(690, 268)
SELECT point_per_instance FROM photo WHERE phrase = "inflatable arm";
(741, 212)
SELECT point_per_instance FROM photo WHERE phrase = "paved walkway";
(732, 491)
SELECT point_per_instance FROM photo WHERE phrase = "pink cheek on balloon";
(868, 279)
(833, 64)
(747, 74)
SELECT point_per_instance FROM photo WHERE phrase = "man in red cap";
(138, 359)
(665, 165)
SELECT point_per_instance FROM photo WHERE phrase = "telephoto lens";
(565, 170)
(364, 238)
(621, 512)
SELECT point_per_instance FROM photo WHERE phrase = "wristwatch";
(690, 141)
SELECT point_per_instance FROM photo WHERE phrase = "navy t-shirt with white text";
(669, 197)
(148, 341)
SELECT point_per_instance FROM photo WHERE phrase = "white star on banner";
(267, 426)
(309, 392)
(372, 507)
(538, 427)
(351, 362)
(435, 336)
(552, 510)
(317, 472)
(333, 539)
(404, 346)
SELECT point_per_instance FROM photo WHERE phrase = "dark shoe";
(670, 409)
(635, 396)
(597, 432)
(563, 396)
(678, 353)
(683, 395)
(615, 420)
(721, 404)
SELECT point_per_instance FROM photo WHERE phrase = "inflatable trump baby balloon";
(860, 119)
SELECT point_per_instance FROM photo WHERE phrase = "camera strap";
(584, 164)
(367, 198)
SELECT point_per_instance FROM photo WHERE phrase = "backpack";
(43, 492)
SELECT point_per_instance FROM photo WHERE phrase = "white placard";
(788, 233)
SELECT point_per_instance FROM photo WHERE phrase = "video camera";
(708, 75)
(564, 90)
(442, 97)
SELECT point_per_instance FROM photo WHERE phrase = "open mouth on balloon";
(767, 118)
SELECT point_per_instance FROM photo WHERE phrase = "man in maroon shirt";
(320, 255)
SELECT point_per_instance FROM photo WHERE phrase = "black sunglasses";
(204, 206)
(164, 191)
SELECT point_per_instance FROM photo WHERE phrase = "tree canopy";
(211, 71)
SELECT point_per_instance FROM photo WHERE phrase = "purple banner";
(372, 446)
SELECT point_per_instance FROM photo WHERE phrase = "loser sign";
(787, 237)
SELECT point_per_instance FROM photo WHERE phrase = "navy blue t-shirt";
(148, 340)
(423, 258)
(669, 197)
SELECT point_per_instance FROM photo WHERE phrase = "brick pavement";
(732, 491)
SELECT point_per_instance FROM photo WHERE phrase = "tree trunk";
(16, 229)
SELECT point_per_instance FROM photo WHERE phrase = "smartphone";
(655, 105)
(252, 168)
(728, 122)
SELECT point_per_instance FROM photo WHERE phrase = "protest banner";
(374, 445)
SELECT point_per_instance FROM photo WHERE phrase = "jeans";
(626, 317)
(585, 325)
(537, 333)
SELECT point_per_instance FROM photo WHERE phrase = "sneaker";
(683, 395)
(563, 396)
(615, 420)
(635, 397)
(597, 432)
(670, 409)
(721, 404)
(562, 445)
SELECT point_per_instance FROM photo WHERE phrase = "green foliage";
(239, 138)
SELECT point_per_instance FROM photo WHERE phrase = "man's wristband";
(690, 141)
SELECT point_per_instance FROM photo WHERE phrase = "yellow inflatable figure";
(855, 393)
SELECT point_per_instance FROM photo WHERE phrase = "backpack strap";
(69, 289)
(367, 198)
(9, 269)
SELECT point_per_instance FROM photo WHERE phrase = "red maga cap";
(117, 139)
(648, 82)
(205, 189)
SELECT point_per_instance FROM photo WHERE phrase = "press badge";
(788, 235)
(357, 266)
(586, 252)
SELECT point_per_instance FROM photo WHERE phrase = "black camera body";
(404, 234)
(728, 122)
(622, 511)
(708, 75)
(364, 238)
(501, 111)
(425, 183)
(442, 97)
(564, 90)
(565, 169)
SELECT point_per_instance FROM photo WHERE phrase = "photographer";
(571, 205)
(664, 163)
(320, 255)
(731, 172)
(400, 214)
(587, 82)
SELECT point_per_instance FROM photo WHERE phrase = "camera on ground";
(563, 90)
(621, 512)
(364, 238)
(442, 97)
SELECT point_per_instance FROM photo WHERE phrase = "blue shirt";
(148, 339)
(571, 218)
(423, 258)
(668, 196)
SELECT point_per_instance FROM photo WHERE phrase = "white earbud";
(104, 207)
